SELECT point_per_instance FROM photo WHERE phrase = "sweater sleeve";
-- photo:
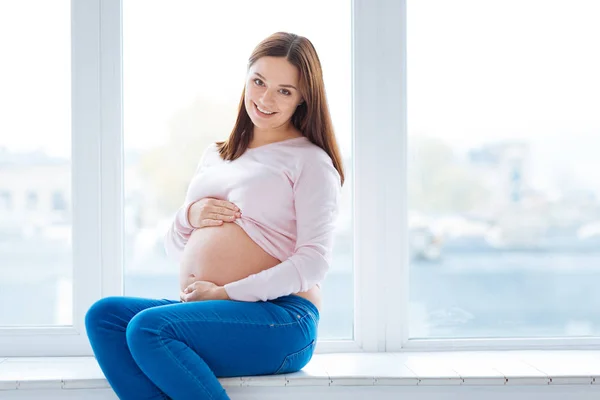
(180, 230)
(317, 191)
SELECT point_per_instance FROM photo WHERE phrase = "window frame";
(379, 99)
(379, 104)
(95, 40)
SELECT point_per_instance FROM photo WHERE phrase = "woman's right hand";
(212, 212)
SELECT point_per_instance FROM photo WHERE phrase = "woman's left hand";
(203, 290)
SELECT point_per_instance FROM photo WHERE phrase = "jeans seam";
(288, 357)
(172, 356)
(243, 322)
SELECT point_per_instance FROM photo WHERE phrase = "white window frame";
(381, 208)
(381, 266)
(95, 168)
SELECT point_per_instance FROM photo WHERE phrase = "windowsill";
(493, 368)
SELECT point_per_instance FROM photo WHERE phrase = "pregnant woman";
(253, 239)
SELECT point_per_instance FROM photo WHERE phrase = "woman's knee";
(144, 325)
(101, 309)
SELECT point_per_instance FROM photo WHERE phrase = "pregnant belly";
(222, 254)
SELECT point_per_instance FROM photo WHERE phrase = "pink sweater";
(288, 193)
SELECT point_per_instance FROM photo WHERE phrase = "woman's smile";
(263, 113)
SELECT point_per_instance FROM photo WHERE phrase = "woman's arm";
(317, 191)
(180, 230)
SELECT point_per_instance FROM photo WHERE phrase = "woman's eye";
(286, 92)
(258, 82)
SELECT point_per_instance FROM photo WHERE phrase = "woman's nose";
(267, 98)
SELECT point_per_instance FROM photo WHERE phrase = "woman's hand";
(203, 290)
(212, 212)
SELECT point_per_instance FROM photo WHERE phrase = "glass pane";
(181, 90)
(504, 192)
(35, 163)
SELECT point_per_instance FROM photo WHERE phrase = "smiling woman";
(286, 59)
(254, 238)
(166, 133)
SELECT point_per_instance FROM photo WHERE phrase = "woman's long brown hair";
(312, 118)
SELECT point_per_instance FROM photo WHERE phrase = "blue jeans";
(166, 349)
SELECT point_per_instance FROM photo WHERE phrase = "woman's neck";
(261, 137)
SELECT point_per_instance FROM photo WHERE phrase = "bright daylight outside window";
(35, 163)
(504, 190)
(184, 71)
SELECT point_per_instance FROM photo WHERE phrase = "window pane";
(35, 163)
(504, 194)
(182, 85)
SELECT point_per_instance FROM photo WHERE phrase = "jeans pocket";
(296, 361)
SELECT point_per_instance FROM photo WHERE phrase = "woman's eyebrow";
(265, 79)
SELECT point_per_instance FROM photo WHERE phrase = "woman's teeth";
(264, 111)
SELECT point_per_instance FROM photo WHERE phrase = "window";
(487, 158)
(181, 92)
(32, 200)
(6, 202)
(504, 200)
(59, 203)
(35, 144)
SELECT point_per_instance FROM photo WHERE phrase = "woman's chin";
(262, 125)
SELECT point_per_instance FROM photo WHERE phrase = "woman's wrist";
(221, 293)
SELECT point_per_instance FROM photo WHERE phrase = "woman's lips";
(262, 114)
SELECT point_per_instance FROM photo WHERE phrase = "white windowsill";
(349, 369)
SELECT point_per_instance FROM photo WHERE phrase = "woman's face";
(272, 93)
